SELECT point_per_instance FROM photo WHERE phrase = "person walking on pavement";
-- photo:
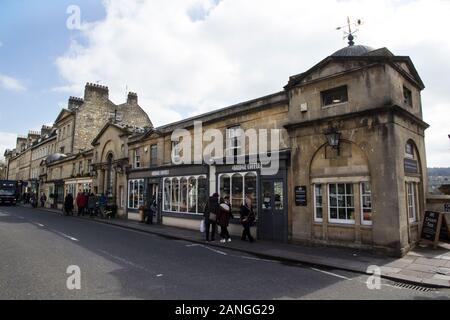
(102, 205)
(81, 203)
(68, 204)
(210, 215)
(91, 202)
(223, 219)
(43, 200)
(247, 219)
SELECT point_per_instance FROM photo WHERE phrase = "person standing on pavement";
(223, 219)
(91, 202)
(247, 219)
(210, 215)
(102, 201)
(68, 204)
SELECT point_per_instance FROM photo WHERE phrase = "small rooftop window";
(407, 96)
(334, 96)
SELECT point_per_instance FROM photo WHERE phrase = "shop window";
(237, 192)
(237, 186)
(175, 194)
(192, 195)
(366, 203)
(135, 193)
(411, 201)
(334, 96)
(318, 203)
(341, 203)
(153, 155)
(407, 97)
(225, 186)
(202, 193)
(233, 141)
(250, 187)
(185, 194)
(167, 193)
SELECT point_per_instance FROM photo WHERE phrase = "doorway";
(153, 194)
(272, 223)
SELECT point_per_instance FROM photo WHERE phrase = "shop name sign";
(160, 173)
(248, 166)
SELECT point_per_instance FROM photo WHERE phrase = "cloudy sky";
(191, 56)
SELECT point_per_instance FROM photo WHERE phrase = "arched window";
(183, 194)
(225, 186)
(167, 193)
(192, 195)
(175, 194)
(237, 191)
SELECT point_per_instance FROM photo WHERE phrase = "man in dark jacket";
(68, 204)
(211, 211)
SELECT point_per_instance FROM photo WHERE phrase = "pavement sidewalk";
(422, 266)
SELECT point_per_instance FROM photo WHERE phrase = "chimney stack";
(132, 98)
(74, 103)
(94, 91)
(45, 130)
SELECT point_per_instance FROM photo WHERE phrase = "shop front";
(268, 194)
(181, 193)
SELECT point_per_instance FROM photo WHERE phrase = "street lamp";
(333, 138)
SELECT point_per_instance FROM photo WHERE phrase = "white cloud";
(192, 56)
(11, 84)
(7, 141)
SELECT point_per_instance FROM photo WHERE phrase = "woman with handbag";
(210, 214)
(247, 219)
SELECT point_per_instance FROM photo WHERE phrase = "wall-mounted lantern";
(333, 138)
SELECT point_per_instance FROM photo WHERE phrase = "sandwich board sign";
(435, 228)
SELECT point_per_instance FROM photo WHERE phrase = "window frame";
(233, 145)
(135, 182)
(362, 195)
(179, 178)
(333, 91)
(413, 196)
(244, 175)
(316, 219)
(136, 158)
(337, 220)
(407, 97)
(154, 157)
(176, 150)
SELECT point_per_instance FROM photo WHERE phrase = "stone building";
(58, 159)
(351, 165)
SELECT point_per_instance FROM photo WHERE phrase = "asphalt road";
(37, 247)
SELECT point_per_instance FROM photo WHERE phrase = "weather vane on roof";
(350, 33)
